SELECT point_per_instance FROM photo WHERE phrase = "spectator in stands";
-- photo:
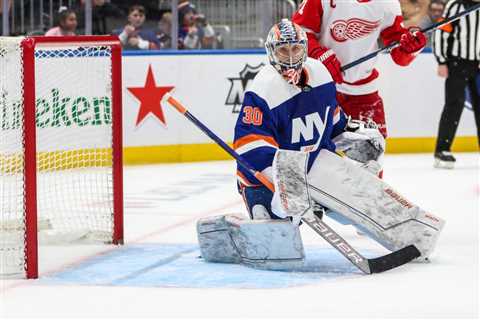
(413, 11)
(102, 11)
(194, 30)
(66, 23)
(134, 36)
(435, 11)
(153, 13)
(164, 31)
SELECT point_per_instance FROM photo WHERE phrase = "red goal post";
(61, 151)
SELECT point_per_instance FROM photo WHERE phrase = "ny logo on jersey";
(306, 129)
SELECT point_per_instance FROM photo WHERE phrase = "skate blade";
(443, 164)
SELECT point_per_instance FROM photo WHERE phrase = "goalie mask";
(287, 49)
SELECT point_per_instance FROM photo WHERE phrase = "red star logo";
(150, 96)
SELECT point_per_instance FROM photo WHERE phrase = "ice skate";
(444, 160)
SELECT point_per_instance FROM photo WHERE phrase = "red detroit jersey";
(351, 28)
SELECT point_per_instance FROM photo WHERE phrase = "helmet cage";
(286, 46)
(287, 55)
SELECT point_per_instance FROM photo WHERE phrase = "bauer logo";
(56, 110)
(395, 196)
(238, 86)
(431, 217)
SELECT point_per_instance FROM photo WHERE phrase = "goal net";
(60, 145)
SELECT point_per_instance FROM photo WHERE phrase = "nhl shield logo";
(238, 86)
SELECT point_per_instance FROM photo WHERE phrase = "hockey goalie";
(292, 130)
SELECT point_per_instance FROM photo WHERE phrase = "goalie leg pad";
(369, 202)
(216, 243)
(263, 244)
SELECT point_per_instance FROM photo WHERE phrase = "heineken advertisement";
(57, 110)
(74, 107)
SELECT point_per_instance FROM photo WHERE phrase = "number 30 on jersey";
(252, 115)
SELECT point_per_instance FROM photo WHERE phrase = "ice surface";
(158, 272)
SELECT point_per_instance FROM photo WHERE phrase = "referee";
(457, 49)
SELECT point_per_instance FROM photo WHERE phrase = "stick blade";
(394, 259)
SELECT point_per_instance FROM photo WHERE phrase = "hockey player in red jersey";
(341, 31)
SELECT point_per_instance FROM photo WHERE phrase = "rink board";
(211, 151)
(212, 84)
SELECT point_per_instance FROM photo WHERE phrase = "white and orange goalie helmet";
(287, 49)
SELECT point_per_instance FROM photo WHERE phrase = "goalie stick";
(432, 28)
(368, 266)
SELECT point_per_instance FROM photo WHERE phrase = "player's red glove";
(412, 41)
(329, 59)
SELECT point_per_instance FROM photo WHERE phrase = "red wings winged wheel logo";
(352, 29)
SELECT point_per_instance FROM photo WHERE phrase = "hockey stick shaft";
(429, 29)
(368, 266)
(180, 108)
(336, 241)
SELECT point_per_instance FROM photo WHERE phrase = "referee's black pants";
(461, 74)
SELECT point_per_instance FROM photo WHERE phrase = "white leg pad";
(264, 244)
(368, 201)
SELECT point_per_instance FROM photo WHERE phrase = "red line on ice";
(165, 229)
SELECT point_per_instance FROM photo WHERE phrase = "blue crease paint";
(179, 266)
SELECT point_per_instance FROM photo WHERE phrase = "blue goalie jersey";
(278, 115)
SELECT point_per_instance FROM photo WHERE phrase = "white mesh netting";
(12, 226)
(74, 147)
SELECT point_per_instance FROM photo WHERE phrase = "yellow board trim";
(59, 160)
(210, 151)
(174, 153)
(192, 152)
(427, 145)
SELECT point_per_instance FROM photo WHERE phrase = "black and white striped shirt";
(463, 40)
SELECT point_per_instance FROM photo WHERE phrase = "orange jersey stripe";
(244, 181)
(253, 137)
